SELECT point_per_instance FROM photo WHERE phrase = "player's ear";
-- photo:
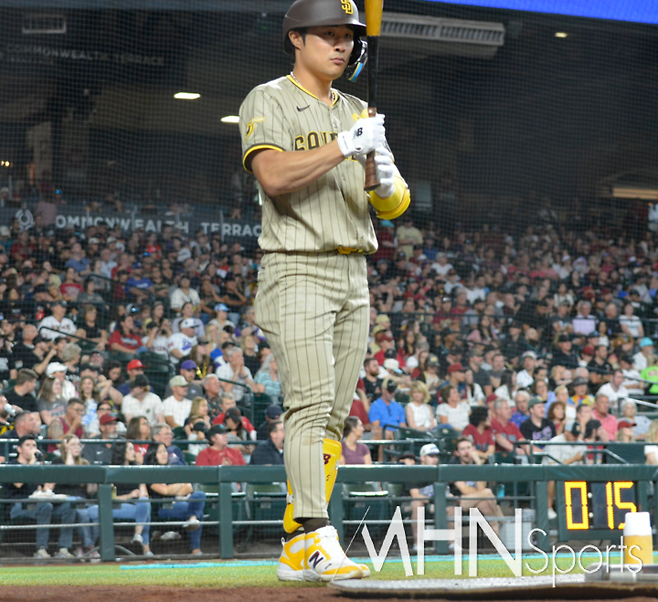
(296, 39)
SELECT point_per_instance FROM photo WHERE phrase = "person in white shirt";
(177, 407)
(184, 294)
(58, 371)
(640, 361)
(235, 370)
(441, 266)
(56, 325)
(642, 423)
(631, 376)
(141, 402)
(614, 390)
(453, 411)
(180, 343)
(524, 378)
(187, 313)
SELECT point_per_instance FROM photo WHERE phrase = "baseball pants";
(314, 309)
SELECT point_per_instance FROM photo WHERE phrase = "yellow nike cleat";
(331, 451)
(291, 561)
(325, 560)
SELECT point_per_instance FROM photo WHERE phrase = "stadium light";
(230, 119)
(186, 96)
(561, 34)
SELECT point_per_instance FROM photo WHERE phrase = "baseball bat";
(374, 9)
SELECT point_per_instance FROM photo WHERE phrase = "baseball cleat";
(291, 561)
(325, 560)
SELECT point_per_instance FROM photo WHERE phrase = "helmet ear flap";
(358, 59)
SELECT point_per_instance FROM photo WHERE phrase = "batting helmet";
(315, 13)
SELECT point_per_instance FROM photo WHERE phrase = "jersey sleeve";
(262, 126)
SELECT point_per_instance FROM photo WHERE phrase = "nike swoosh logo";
(300, 109)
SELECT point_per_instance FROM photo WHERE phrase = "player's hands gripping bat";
(365, 136)
(374, 9)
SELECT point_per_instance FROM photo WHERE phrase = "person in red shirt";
(124, 339)
(71, 286)
(219, 453)
(227, 402)
(506, 433)
(480, 432)
(69, 424)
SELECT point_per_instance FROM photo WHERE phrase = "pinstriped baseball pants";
(314, 310)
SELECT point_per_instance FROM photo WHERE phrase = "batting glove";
(386, 171)
(365, 136)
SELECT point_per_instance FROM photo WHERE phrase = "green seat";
(632, 453)
(404, 433)
(180, 435)
(366, 500)
(189, 458)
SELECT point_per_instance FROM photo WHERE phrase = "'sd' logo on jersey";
(346, 5)
(250, 126)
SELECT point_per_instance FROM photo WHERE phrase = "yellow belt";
(348, 250)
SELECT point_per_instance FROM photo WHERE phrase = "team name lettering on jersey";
(313, 140)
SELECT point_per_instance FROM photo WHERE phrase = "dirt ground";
(169, 594)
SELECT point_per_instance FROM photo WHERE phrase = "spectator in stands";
(141, 402)
(508, 387)
(89, 329)
(90, 396)
(212, 391)
(600, 411)
(218, 453)
(270, 452)
(176, 408)
(651, 447)
(386, 414)
(199, 411)
(371, 384)
(22, 395)
(45, 511)
(615, 390)
(354, 452)
(630, 323)
(422, 493)
(180, 343)
(536, 427)
(272, 414)
(564, 354)
(56, 324)
(189, 511)
(24, 425)
(521, 414)
(132, 501)
(479, 431)
(525, 377)
(32, 352)
(139, 429)
(631, 376)
(188, 312)
(418, 412)
(50, 403)
(70, 450)
(70, 423)
(506, 433)
(133, 368)
(101, 453)
(556, 413)
(268, 377)
(162, 433)
(188, 370)
(642, 423)
(625, 431)
(473, 494)
(184, 294)
(453, 411)
(235, 370)
(564, 454)
(640, 359)
(125, 338)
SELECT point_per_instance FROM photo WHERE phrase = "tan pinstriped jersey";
(333, 211)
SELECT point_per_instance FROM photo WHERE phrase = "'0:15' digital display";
(600, 505)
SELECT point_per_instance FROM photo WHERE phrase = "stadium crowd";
(492, 338)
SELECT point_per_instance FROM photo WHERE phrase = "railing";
(225, 477)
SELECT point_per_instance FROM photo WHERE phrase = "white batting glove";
(386, 171)
(365, 136)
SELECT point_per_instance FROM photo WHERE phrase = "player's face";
(326, 50)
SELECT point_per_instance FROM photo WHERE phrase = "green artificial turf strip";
(232, 576)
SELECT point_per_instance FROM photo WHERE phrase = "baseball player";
(306, 144)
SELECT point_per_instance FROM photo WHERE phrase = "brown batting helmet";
(314, 13)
